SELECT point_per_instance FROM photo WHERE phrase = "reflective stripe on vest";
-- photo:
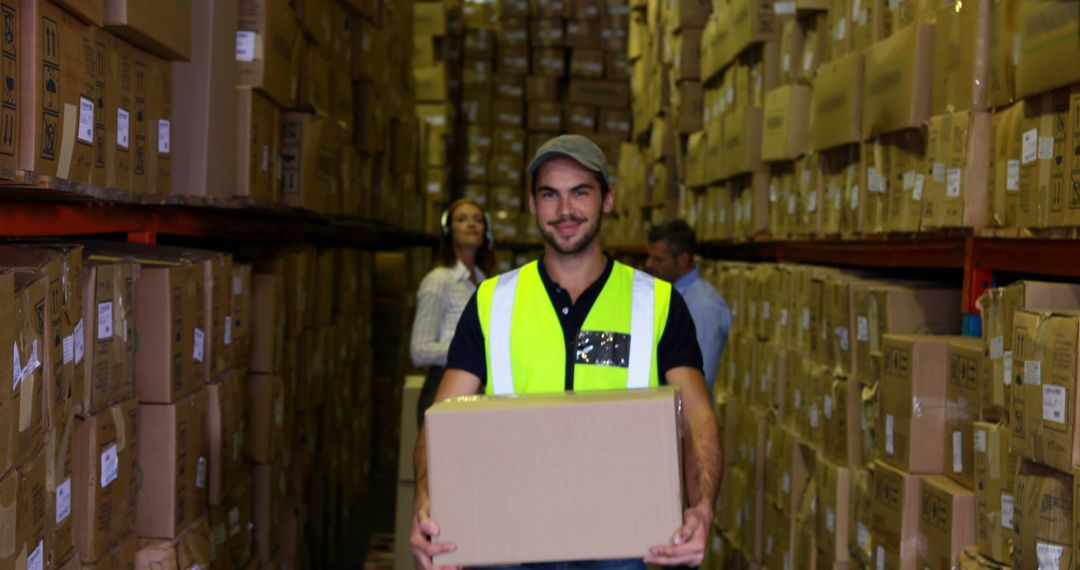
(496, 303)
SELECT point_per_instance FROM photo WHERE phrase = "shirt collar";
(687, 280)
(461, 273)
(593, 288)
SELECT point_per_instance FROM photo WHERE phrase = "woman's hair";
(485, 258)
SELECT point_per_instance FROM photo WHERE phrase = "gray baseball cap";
(577, 147)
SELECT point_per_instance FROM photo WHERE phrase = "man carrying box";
(585, 316)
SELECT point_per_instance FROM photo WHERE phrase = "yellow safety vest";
(616, 348)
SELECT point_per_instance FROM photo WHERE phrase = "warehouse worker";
(672, 246)
(542, 328)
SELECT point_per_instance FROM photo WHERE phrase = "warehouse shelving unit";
(143, 223)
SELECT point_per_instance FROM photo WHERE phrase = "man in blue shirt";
(672, 245)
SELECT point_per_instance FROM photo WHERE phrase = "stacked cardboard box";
(827, 379)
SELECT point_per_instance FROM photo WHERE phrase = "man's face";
(662, 264)
(569, 204)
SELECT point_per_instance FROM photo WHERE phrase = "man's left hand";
(687, 546)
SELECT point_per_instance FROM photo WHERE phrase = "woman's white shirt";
(442, 297)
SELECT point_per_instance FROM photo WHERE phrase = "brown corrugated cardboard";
(110, 343)
(309, 145)
(956, 194)
(1003, 185)
(1072, 166)
(142, 134)
(90, 11)
(26, 417)
(56, 133)
(1043, 517)
(59, 470)
(995, 470)
(105, 481)
(1003, 42)
(946, 522)
(962, 57)
(897, 501)
(599, 463)
(833, 486)
(837, 112)
(1042, 164)
(268, 49)
(1045, 352)
(860, 540)
(204, 98)
(174, 469)
(787, 122)
(1047, 36)
(160, 114)
(165, 364)
(120, 72)
(192, 548)
(162, 27)
(898, 79)
(914, 376)
(121, 555)
(266, 418)
(839, 27)
(608, 94)
(258, 143)
(742, 141)
(267, 322)
(967, 371)
(545, 117)
(10, 145)
(22, 497)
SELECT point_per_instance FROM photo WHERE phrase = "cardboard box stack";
(847, 118)
(171, 404)
(828, 379)
(496, 80)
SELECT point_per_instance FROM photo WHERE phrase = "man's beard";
(548, 232)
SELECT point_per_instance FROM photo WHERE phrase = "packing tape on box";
(67, 140)
(919, 406)
(121, 427)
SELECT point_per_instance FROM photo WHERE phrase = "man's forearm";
(703, 459)
(420, 469)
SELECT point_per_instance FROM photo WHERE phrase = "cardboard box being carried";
(608, 477)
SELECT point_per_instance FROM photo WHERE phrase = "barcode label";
(245, 46)
(86, 120)
(104, 320)
(122, 128)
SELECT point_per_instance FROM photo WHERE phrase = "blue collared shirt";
(712, 318)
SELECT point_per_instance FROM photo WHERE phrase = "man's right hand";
(423, 531)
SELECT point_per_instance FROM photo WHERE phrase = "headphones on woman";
(445, 221)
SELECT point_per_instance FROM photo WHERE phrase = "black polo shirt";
(677, 347)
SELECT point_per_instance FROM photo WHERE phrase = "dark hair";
(678, 235)
(485, 260)
(604, 188)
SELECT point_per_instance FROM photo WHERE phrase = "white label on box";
(163, 129)
(69, 349)
(890, 448)
(63, 500)
(746, 382)
(806, 318)
(958, 452)
(920, 183)
(783, 317)
(80, 341)
(842, 333)
(1032, 372)
(1006, 511)
(855, 197)
(784, 8)
(785, 483)
(753, 310)
(939, 172)
(811, 201)
(791, 204)
(952, 185)
(798, 399)
(841, 28)
(228, 330)
(872, 182)
(1012, 176)
(997, 347)
(864, 537)
(1046, 148)
(123, 128)
(813, 416)
(1054, 400)
(785, 63)
(199, 345)
(245, 45)
(1030, 146)
(862, 329)
(768, 545)
(766, 310)
(830, 520)
(880, 558)
(980, 441)
(894, 5)
(909, 180)
(808, 61)
(828, 407)
(86, 120)
(237, 285)
(36, 559)
(110, 465)
(1007, 365)
(104, 320)
(1049, 555)
(200, 473)
(838, 197)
